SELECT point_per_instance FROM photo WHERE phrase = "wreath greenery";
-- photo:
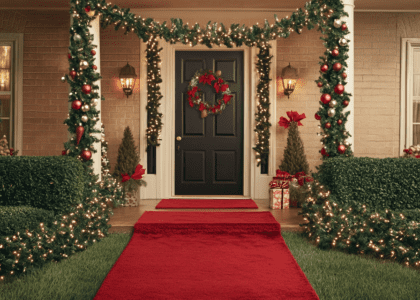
(219, 85)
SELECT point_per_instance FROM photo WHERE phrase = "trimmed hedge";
(383, 183)
(15, 219)
(54, 183)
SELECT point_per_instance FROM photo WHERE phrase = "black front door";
(209, 156)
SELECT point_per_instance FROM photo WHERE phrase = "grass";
(333, 274)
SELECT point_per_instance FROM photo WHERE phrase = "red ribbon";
(202, 107)
(138, 174)
(226, 98)
(294, 116)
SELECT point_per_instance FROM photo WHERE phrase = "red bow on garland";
(138, 174)
(294, 116)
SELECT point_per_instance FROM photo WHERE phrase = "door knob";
(178, 138)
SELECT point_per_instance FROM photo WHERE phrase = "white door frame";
(162, 185)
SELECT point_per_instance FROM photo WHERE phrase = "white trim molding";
(16, 40)
(406, 96)
(162, 185)
(349, 8)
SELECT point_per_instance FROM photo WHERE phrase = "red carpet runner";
(206, 255)
(207, 203)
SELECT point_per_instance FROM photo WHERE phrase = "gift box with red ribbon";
(279, 196)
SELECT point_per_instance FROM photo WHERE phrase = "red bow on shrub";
(294, 116)
(138, 174)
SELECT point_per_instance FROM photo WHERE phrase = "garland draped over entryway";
(325, 14)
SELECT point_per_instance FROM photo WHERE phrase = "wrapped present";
(279, 196)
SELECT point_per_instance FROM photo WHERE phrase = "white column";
(96, 157)
(349, 88)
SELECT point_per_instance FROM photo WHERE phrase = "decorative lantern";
(128, 79)
(289, 77)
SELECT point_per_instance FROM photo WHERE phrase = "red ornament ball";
(93, 52)
(344, 75)
(335, 53)
(341, 149)
(339, 122)
(63, 152)
(345, 102)
(86, 88)
(320, 84)
(325, 98)
(339, 89)
(87, 8)
(73, 74)
(327, 125)
(76, 104)
(69, 56)
(324, 68)
(318, 117)
(337, 67)
(86, 154)
(94, 67)
(324, 153)
(343, 27)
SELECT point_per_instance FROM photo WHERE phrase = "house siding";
(377, 82)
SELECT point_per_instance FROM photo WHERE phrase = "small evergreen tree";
(294, 158)
(127, 161)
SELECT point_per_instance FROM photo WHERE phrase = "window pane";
(5, 68)
(416, 111)
(416, 134)
(416, 72)
(5, 130)
(5, 106)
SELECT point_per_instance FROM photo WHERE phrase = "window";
(410, 94)
(6, 111)
(11, 89)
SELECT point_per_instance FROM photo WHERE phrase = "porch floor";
(124, 218)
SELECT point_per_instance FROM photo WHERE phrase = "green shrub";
(15, 219)
(53, 183)
(388, 183)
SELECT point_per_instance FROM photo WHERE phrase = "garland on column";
(262, 127)
(324, 13)
(153, 92)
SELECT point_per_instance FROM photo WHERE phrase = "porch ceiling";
(406, 5)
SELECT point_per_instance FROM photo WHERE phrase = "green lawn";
(333, 274)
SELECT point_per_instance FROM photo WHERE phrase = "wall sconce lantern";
(128, 79)
(289, 77)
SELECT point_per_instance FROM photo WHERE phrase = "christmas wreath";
(214, 80)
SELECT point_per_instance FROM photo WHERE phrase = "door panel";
(209, 156)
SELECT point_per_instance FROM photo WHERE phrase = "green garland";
(153, 92)
(321, 13)
(262, 127)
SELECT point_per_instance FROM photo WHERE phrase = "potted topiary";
(128, 170)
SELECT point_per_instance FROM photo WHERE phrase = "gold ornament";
(333, 103)
(94, 102)
(218, 73)
(77, 37)
(84, 118)
(63, 79)
(342, 42)
(204, 113)
(83, 64)
(331, 112)
(85, 107)
(337, 23)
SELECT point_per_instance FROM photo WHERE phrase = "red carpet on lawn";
(206, 255)
(207, 203)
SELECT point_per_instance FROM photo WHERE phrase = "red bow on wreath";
(294, 116)
(207, 79)
(138, 174)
